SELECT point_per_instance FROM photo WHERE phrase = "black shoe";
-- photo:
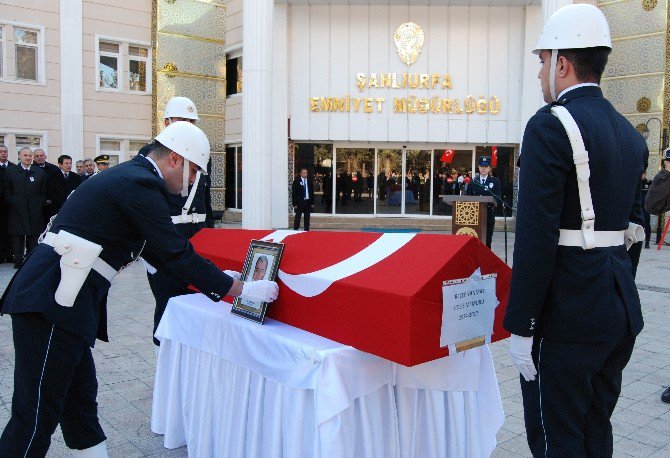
(646, 244)
(17, 265)
(665, 397)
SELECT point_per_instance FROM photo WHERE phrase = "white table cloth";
(229, 387)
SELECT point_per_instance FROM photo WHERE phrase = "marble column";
(71, 79)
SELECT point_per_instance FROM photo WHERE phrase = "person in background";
(79, 167)
(89, 168)
(63, 183)
(645, 184)
(101, 162)
(25, 195)
(5, 239)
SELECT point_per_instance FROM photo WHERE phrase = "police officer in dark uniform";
(484, 184)
(54, 299)
(101, 162)
(573, 308)
(188, 221)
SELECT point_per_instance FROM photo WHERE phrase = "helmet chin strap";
(185, 176)
(191, 195)
(552, 74)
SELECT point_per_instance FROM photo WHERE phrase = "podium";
(469, 215)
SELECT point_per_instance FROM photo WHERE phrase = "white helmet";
(187, 140)
(575, 26)
(180, 107)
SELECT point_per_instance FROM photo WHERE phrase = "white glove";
(520, 349)
(260, 291)
(235, 275)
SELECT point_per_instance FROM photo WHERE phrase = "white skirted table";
(228, 387)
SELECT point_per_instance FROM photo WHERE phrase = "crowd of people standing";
(32, 191)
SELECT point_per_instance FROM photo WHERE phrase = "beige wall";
(234, 23)
(28, 107)
(115, 114)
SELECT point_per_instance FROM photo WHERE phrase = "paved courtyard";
(126, 371)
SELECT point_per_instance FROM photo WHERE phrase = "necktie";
(304, 183)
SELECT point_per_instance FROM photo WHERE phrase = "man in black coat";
(573, 308)
(187, 220)
(302, 194)
(25, 196)
(5, 240)
(485, 184)
(62, 183)
(55, 298)
(51, 171)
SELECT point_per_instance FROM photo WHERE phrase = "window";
(123, 66)
(109, 65)
(120, 149)
(137, 78)
(234, 76)
(2, 52)
(26, 56)
(21, 53)
(14, 141)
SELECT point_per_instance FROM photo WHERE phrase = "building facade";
(380, 100)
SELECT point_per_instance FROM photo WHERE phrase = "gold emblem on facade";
(467, 231)
(643, 104)
(408, 40)
(467, 213)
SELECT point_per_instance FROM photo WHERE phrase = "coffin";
(379, 293)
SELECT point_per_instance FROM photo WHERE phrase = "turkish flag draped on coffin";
(379, 293)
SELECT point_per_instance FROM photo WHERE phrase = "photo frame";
(261, 263)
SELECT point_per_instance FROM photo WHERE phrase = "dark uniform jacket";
(25, 196)
(202, 203)
(658, 195)
(491, 188)
(61, 187)
(135, 211)
(567, 293)
(298, 191)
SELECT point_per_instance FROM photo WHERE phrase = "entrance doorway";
(391, 181)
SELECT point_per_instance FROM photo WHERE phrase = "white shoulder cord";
(580, 157)
(191, 195)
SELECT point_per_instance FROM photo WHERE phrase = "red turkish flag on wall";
(494, 156)
(447, 156)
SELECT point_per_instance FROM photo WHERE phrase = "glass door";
(354, 181)
(417, 182)
(390, 185)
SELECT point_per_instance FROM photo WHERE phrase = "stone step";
(358, 223)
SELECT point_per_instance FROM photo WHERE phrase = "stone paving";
(126, 364)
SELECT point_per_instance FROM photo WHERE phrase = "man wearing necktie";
(25, 195)
(62, 184)
(302, 193)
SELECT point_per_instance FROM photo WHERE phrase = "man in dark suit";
(51, 171)
(5, 240)
(55, 298)
(63, 183)
(25, 195)
(573, 308)
(89, 169)
(302, 194)
(188, 215)
(484, 184)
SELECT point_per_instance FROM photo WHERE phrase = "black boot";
(665, 397)
(646, 244)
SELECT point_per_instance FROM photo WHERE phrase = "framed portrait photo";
(261, 263)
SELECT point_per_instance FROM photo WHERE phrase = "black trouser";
(490, 225)
(647, 227)
(22, 245)
(567, 408)
(54, 382)
(163, 288)
(302, 207)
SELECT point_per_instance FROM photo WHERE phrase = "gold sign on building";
(408, 39)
